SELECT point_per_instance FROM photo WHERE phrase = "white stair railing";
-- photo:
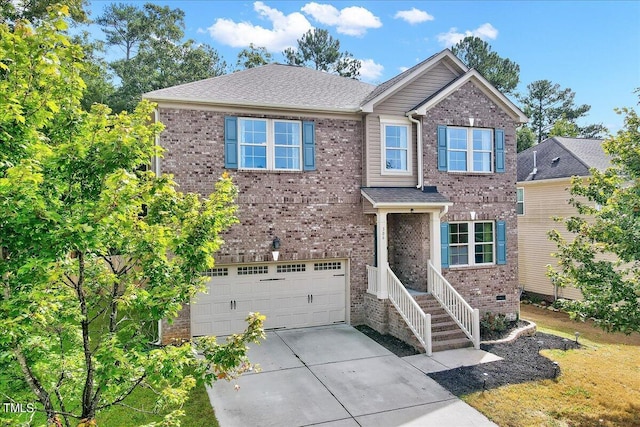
(372, 280)
(418, 321)
(464, 315)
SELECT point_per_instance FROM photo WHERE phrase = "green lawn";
(599, 384)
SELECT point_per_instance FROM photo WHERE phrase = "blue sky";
(593, 47)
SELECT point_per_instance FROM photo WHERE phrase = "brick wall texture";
(315, 214)
(318, 214)
(491, 196)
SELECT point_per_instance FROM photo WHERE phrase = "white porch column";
(435, 240)
(383, 257)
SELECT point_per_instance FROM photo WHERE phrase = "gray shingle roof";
(560, 157)
(273, 85)
(403, 195)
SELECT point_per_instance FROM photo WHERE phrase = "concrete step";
(451, 344)
(447, 335)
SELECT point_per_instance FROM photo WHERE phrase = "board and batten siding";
(543, 200)
(397, 105)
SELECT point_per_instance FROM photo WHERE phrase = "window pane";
(286, 133)
(459, 255)
(396, 159)
(396, 136)
(483, 232)
(482, 162)
(484, 253)
(459, 233)
(457, 138)
(287, 158)
(520, 194)
(520, 208)
(253, 131)
(457, 160)
(482, 140)
(253, 156)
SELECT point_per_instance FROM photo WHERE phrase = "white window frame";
(395, 121)
(471, 244)
(520, 191)
(470, 151)
(270, 144)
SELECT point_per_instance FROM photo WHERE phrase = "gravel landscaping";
(522, 362)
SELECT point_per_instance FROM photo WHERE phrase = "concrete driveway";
(336, 376)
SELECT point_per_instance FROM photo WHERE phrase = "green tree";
(318, 49)
(603, 259)
(563, 127)
(33, 10)
(154, 53)
(525, 138)
(253, 56)
(94, 251)
(545, 103)
(476, 53)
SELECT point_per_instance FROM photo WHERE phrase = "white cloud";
(403, 69)
(285, 31)
(369, 70)
(414, 16)
(352, 21)
(484, 31)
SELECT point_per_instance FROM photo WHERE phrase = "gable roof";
(272, 85)
(560, 157)
(386, 89)
(482, 83)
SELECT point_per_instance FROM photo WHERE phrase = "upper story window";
(520, 201)
(466, 149)
(396, 146)
(269, 144)
(470, 150)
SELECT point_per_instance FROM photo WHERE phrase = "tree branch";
(124, 396)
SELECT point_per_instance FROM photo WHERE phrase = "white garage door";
(290, 295)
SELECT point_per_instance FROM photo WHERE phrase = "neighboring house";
(544, 178)
(351, 178)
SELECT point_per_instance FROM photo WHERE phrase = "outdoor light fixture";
(565, 342)
(556, 367)
(484, 381)
(275, 248)
(577, 336)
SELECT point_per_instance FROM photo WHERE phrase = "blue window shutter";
(499, 135)
(442, 148)
(444, 244)
(501, 237)
(231, 142)
(309, 145)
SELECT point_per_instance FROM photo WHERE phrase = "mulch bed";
(521, 362)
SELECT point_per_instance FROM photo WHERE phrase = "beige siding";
(374, 158)
(543, 200)
(398, 105)
(416, 91)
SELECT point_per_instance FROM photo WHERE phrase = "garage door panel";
(290, 295)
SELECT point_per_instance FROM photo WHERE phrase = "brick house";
(377, 198)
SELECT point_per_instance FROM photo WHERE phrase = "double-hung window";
(396, 146)
(269, 144)
(470, 149)
(473, 243)
(520, 201)
(467, 149)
